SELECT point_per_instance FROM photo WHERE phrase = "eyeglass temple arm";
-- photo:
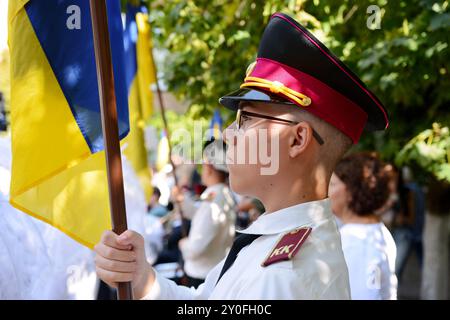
(263, 116)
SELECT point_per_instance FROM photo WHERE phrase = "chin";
(234, 185)
(238, 185)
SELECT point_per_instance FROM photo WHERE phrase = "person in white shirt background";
(213, 218)
(358, 188)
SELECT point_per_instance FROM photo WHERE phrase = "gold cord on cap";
(277, 87)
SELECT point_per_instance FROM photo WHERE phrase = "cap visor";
(231, 101)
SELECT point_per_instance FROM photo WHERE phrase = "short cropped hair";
(336, 144)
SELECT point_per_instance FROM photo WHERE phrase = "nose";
(229, 134)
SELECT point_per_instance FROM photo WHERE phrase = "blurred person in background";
(155, 208)
(358, 188)
(390, 209)
(408, 221)
(249, 209)
(174, 223)
(161, 207)
(154, 225)
(212, 218)
(3, 122)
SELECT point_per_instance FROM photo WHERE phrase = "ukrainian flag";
(139, 78)
(58, 167)
(215, 126)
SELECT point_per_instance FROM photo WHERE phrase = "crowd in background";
(379, 211)
(189, 228)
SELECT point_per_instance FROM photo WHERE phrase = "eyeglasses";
(241, 113)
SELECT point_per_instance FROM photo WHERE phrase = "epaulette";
(288, 246)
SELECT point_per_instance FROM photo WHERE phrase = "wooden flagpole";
(110, 128)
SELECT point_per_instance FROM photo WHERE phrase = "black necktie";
(240, 242)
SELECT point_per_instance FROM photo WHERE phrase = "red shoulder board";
(288, 246)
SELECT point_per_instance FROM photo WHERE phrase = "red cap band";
(327, 103)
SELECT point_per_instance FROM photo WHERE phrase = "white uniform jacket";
(317, 271)
(212, 231)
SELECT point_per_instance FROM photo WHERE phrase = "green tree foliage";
(210, 43)
(428, 154)
(405, 61)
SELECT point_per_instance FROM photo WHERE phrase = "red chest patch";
(288, 246)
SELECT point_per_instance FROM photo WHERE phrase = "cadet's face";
(339, 196)
(257, 151)
(205, 173)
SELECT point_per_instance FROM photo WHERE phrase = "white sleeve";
(189, 206)
(277, 284)
(204, 227)
(165, 289)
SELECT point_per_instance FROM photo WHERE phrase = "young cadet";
(212, 221)
(301, 94)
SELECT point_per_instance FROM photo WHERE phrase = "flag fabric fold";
(139, 78)
(58, 166)
(216, 125)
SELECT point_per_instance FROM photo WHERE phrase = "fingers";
(120, 258)
(114, 254)
(115, 266)
(132, 238)
(109, 238)
(111, 278)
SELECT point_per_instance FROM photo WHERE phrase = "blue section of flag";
(70, 53)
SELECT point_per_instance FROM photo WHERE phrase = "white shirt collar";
(287, 219)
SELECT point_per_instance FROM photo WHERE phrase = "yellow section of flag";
(140, 99)
(54, 177)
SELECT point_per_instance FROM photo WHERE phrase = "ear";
(300, 138)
